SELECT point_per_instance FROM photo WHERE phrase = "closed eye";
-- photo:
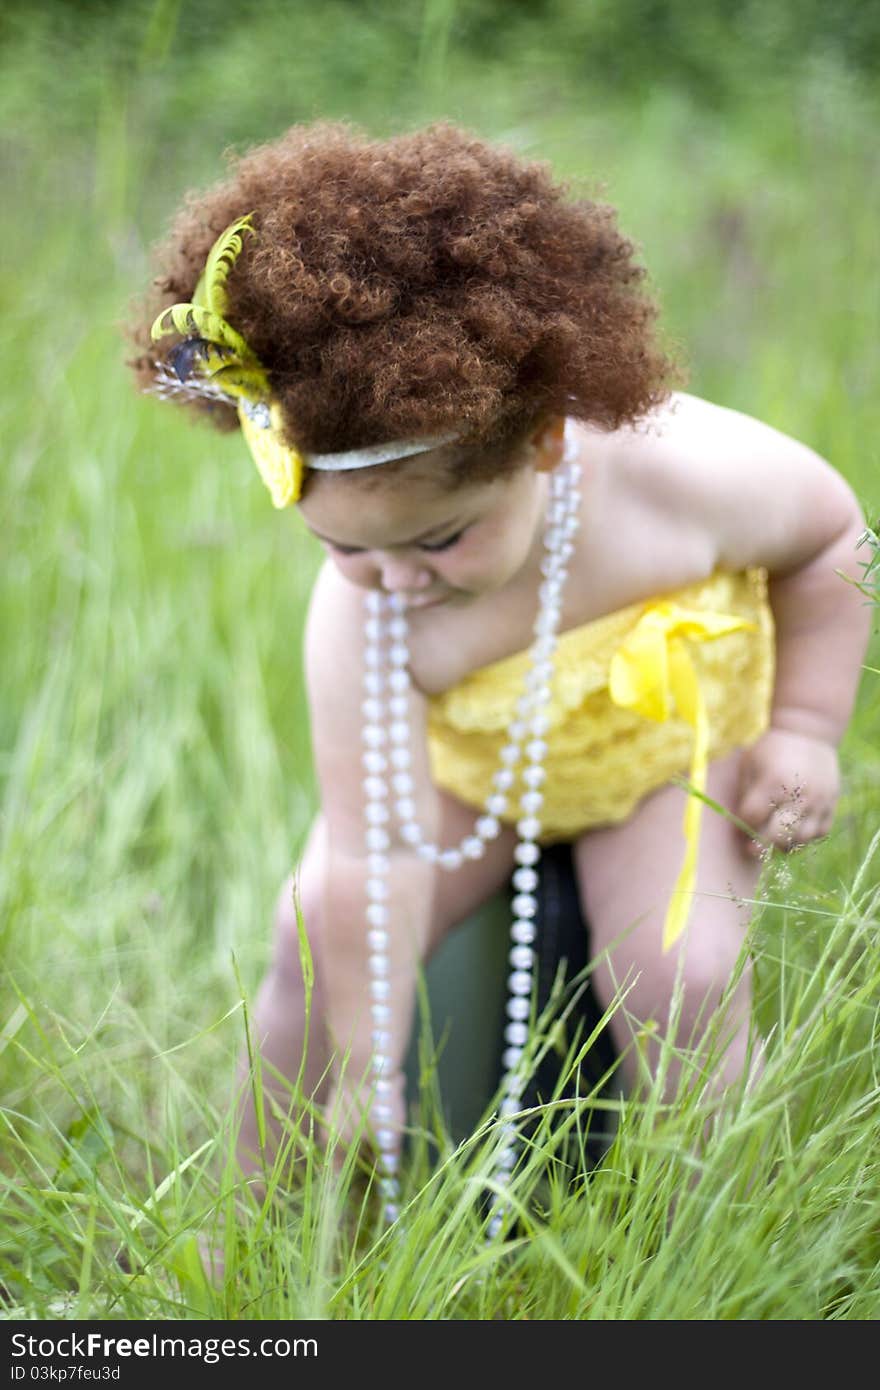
(431, 546)
(344, 549)
(446, 544)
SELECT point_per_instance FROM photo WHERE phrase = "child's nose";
(400, 575)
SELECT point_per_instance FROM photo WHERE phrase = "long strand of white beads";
(376, 758)
(562, 525)
(386, 750)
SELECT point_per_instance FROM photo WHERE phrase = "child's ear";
(547, 443)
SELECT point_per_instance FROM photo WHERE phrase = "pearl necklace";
(386, 737)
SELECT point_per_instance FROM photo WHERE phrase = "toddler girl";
(552, 586)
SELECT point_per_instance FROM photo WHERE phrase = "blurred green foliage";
(267, 63)
(712, 46)
(123, 106)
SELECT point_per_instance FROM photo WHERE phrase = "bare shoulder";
(751, 494)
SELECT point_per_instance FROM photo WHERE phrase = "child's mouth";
(425, 601)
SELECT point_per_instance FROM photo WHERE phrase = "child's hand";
(788, 788)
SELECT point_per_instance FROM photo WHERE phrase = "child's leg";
(279, 1023)
(626, 874)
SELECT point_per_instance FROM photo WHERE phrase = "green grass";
(155, 771)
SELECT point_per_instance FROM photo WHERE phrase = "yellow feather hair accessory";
(213, 361)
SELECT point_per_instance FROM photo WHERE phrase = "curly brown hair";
(418, 285)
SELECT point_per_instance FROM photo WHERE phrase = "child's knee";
(712, 965)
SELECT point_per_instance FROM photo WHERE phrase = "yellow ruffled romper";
(638, 696)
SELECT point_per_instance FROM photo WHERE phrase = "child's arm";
(771, 501)
(789, 778)
(334, 672)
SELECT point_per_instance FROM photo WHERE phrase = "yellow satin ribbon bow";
(652, 673)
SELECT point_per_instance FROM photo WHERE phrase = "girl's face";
(431, 545)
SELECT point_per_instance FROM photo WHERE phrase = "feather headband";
(214, 362)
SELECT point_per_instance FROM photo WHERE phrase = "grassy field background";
(155, 772)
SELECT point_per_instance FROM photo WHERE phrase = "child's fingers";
(794, 826)
(756, 847)
(756, 804)
(754, 809)
(788, 827)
